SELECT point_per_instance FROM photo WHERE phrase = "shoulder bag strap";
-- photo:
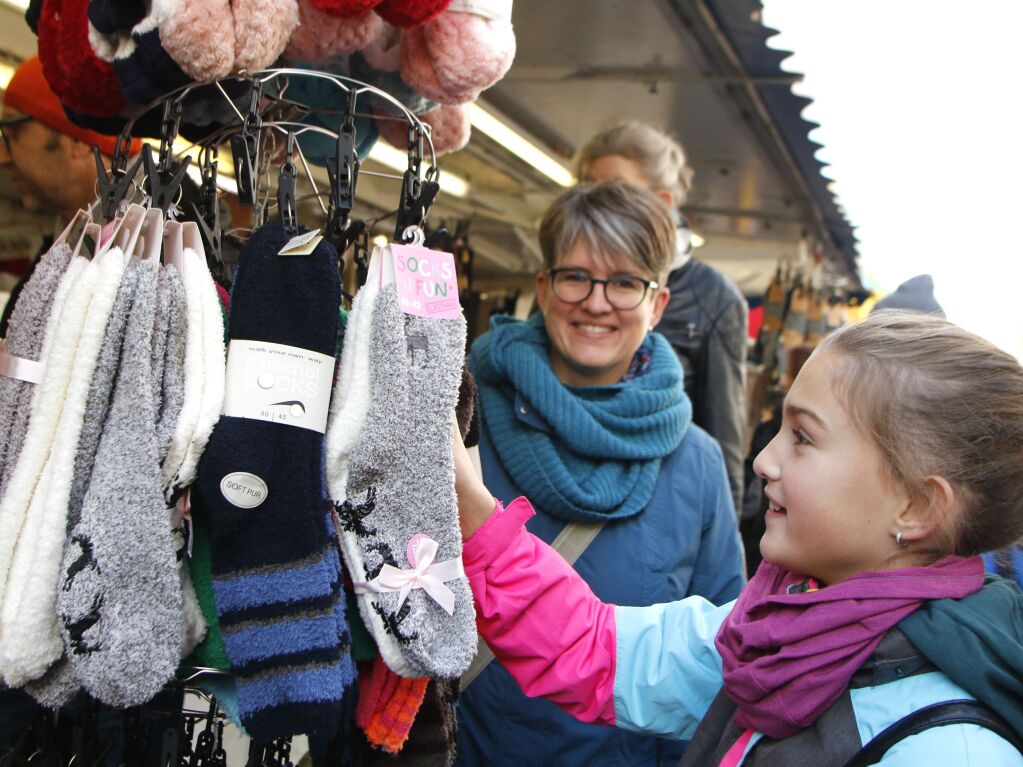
(570, 543)
(936, 715)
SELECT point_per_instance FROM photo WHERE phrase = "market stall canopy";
(703, 71)
(699, 68)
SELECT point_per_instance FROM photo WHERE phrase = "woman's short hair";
(615, 219)
(660, 158)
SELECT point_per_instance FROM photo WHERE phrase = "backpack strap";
(935, 715)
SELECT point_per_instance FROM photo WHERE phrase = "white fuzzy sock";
(46, 408)
(188, 419)
(214, 370)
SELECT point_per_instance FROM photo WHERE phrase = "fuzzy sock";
(388, 705)
(30, 639)
(432, 738)
(402, 473)
(194, 362)
(211, 400)
(274, 580)
(349, 405)
(25, 332)
(168, 365)
(62, 335)
(59, 685)
(120, 603)
(210, 652)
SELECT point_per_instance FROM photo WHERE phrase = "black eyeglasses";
(5, 124)
(622, 291)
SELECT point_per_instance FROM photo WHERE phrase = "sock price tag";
(302, 245)
(274, 382)
(427, 281)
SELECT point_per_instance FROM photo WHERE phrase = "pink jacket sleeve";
(540, 618)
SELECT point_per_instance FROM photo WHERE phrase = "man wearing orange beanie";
(49, 157)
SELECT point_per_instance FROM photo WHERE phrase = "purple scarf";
(788, 656)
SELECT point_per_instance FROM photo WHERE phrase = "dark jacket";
(706, 323)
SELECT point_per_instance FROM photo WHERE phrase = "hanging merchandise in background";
(274, 382)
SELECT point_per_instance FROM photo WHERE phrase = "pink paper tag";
(427, 282)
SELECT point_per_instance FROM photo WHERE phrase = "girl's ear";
(928, 512)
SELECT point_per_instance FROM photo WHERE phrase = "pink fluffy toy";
(262, 29)
(449, 127)
(206, 56)
(461, 53)
(321, 35)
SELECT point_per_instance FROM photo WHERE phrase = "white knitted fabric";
(214, 370)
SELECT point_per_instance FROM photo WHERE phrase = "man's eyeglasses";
(622, 291)
(6, 125)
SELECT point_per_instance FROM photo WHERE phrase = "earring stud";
(899, 540)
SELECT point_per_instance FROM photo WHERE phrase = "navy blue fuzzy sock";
(275, 566)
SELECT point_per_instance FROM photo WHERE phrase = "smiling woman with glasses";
(585, 413)
(622, 291)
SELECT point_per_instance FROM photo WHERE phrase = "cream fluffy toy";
(462, 52)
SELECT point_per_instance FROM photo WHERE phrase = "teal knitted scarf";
(601, 453)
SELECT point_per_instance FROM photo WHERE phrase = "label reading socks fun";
(274, 382)
(427, 282)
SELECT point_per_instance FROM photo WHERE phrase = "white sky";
(921, 112)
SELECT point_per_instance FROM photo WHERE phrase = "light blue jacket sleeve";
(667, 668)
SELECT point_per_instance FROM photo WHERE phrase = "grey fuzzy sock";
(59, 685)
(402, 472)
(31, 641)
(169, 340)
(101, 389)
(25, 333)
(120, 603)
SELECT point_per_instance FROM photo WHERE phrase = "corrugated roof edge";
(739, 20)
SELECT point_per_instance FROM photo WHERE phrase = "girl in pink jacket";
(899, 461)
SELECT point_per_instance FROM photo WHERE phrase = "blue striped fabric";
(275, 567)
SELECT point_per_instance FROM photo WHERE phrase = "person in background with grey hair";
(706, 317)
(584, 412)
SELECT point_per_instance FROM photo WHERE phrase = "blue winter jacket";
(684, 542)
